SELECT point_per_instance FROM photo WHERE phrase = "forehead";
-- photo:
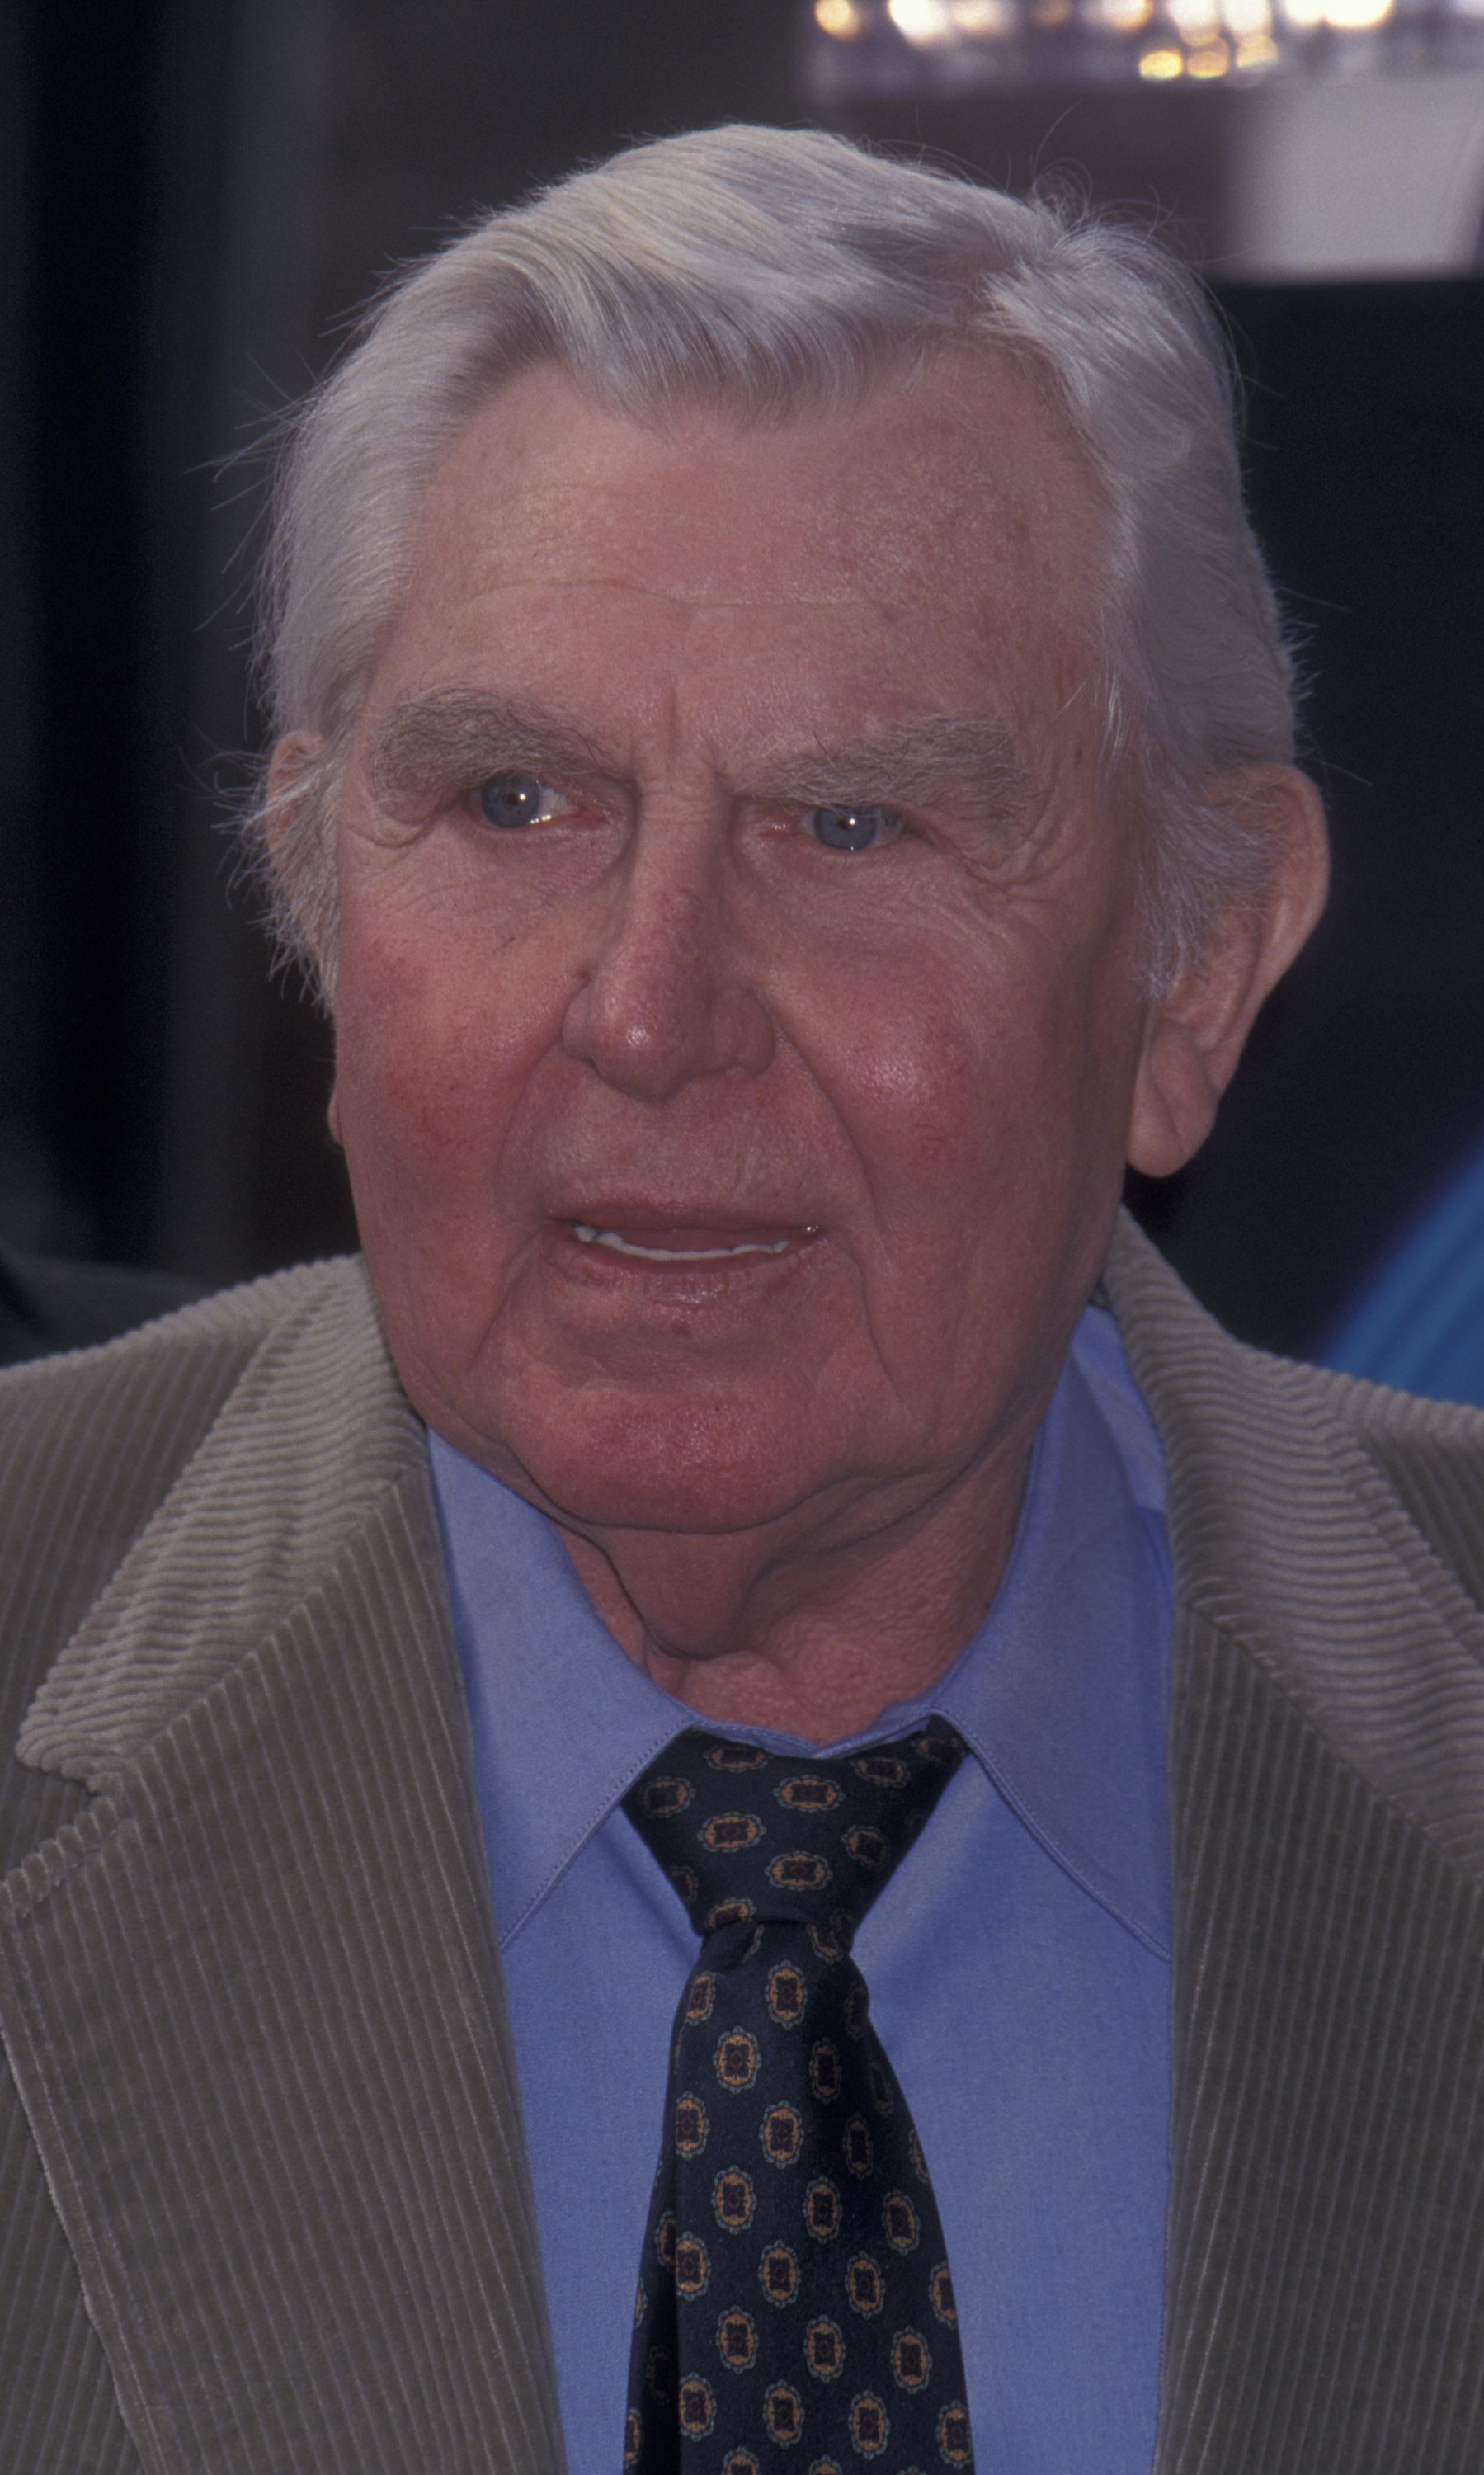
(945, 524)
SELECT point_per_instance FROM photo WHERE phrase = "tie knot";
(752, 1837)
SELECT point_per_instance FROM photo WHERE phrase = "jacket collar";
(251, 1997)
(1285, 1535)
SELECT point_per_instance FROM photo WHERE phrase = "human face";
(723, 1165)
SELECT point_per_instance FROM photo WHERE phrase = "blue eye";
(849, 829)
(510, 800)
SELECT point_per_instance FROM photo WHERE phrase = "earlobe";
(1198, 1032)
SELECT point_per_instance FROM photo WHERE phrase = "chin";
(618, 1464)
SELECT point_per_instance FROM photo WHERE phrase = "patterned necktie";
(794, 2294)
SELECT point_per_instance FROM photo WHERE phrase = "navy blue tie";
(794, 2309)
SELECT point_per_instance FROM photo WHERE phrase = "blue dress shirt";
(1017, 1960)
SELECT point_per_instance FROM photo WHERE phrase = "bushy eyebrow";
(912, 762)
(455, 736)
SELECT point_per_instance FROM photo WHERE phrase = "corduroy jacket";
(263, 2202)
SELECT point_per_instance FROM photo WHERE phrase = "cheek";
(965, 1074)
(985, 1091)
(432, 1046)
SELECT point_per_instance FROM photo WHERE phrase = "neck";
(810, 1639)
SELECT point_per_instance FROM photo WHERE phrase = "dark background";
(194, 196)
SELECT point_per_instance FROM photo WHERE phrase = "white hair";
(781, 271)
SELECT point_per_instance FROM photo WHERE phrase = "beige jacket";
(263, 2203)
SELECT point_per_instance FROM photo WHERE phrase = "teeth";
(590, 1236)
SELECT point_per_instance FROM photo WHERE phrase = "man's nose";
(665, 995)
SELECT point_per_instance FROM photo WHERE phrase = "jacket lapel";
(252, 1996)
(1325, 2276)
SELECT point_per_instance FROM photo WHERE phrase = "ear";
(1198, 1029)
(290, 760)
(287, 765)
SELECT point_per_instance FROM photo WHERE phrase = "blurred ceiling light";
(1124, 16)
(904, 48)
(986, 18)
(1195, 21)
(923, 21)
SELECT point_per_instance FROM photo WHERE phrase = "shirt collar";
(1059, 1695)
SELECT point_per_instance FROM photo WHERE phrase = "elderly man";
(749, 1805)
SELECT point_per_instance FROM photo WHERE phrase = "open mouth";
(679, 1244)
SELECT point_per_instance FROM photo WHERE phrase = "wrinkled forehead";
(955, 490)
